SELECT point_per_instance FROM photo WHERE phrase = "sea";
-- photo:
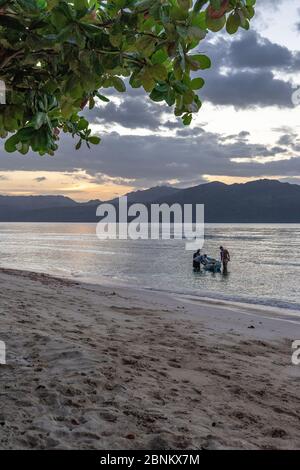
(264, 267)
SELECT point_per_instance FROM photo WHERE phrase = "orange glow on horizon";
(78, 186)
(82, 187)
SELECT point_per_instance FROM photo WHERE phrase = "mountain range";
(261, 201)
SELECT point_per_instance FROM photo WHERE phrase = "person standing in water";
(196, 261)
(225, 257)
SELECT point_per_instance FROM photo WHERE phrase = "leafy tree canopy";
(57, 56)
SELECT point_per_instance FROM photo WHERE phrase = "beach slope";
(100, 367)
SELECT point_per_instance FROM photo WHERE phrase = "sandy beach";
(102, 367)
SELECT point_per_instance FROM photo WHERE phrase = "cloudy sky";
(248, 127)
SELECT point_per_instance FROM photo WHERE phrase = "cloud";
(252, 51)
(135, 111)
(287, 139)
(245, 70)
(248, 89)
(146, 160)
(40, 179)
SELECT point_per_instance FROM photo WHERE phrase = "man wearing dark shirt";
(196, 264)
(225, 257)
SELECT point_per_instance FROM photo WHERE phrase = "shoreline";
(217, 301)
(205, 298)
(250, 307)
(107, 367)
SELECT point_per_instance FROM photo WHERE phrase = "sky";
(247, 128)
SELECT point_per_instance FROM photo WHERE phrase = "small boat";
(209, 264)
(212, 265)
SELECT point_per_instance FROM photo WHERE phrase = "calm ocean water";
(265, 266)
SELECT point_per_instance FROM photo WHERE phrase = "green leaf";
(202, 60)
(157, 95)
(41, 4)
(147, 80)
(118, 84)
(82, 124)
(81, 4)
(197, 83)
(199, 4)
(215, 24)
(199, 20)
(158, 72)
(11, 143)
(38, 120)
(187, 119)
(233, 23)
(102, 98)
(159, 57)
(94, 140)
(185, 4)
